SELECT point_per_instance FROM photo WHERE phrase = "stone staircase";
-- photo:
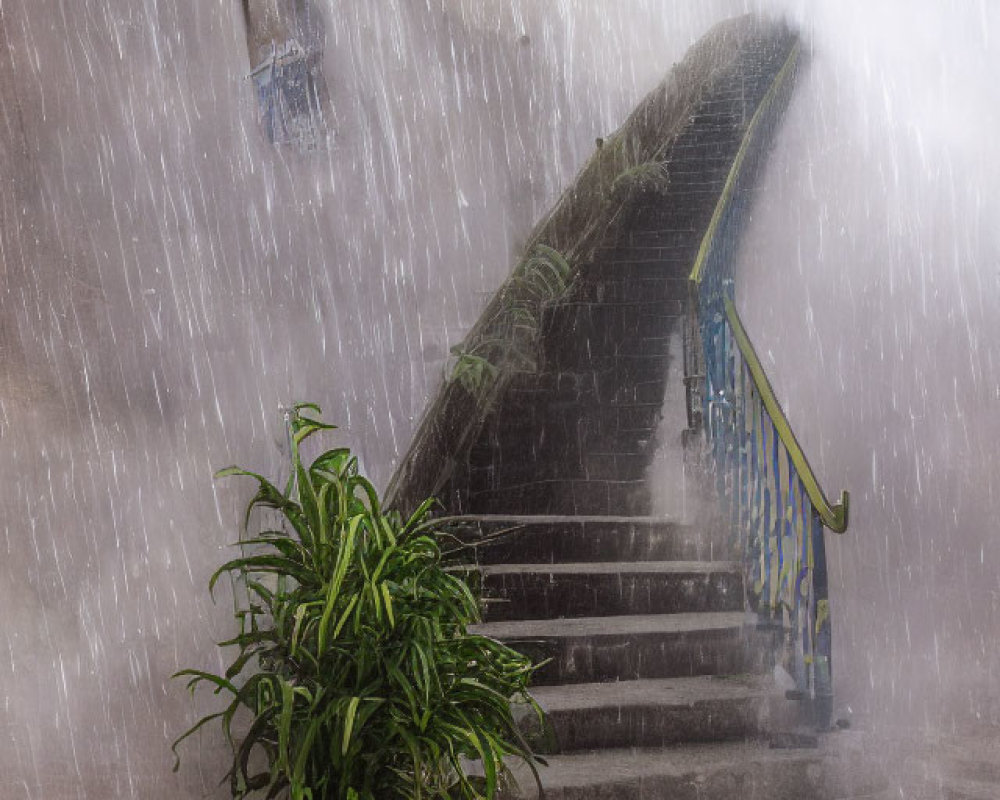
(656, 682)
(577, 436)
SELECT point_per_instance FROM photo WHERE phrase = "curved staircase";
(658, 681)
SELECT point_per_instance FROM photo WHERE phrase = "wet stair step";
(665, 289)
(496, 464)
(655, 713)
(581, 349)
(600, 357)
(603, 589)
(566, 436)
(633, 647)
(646, 237)
(565, 496)
(529, 413)
(585, 386)
(613, 321)
(549, 539)
(490, 474)
(710, 771)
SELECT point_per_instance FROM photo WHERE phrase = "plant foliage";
(650, 176)
(509, 338)
(355, 676)
(544, 274)
(473, 371)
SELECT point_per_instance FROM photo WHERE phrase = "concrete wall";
(168, 279)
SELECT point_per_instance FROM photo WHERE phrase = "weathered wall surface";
(167, 279)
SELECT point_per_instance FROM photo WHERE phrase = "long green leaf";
(278, 565)
(343, 559)
(343, 617)
(387, 600)
(193, 729)
(285, 724)
(352, 708)
(197, 676)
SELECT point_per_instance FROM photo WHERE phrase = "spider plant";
(355, 676)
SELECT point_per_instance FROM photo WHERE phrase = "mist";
(169, 279)
(870, 281)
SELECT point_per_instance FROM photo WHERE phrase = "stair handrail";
(834, 516)
(782, 81)
(768, 492)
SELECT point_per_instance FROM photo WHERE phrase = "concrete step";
(630, 367)
(608, 466)
(594, 649)
(525, 414)
(665, 289)
(584, 386)
(706, 137)
(643, 259)
(710, 139)
(604, 589)
(612, 321)
(663, 258)
(686, 212)
(644, 237)
(545, 540)
(689, 210)
(731, 116)
(690, 175)
(562, 433)
(655, 713)
(716, 771)
(593, 466)
(582, 349)
(560, 456)
(579, 395)
(565, 496)
(493, 474)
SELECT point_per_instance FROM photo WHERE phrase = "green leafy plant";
(649, 176)
(544, 275)
(355, 676)
(510, 336)
(473, 371)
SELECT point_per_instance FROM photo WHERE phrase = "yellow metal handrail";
(834, 517)
(727, 190)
